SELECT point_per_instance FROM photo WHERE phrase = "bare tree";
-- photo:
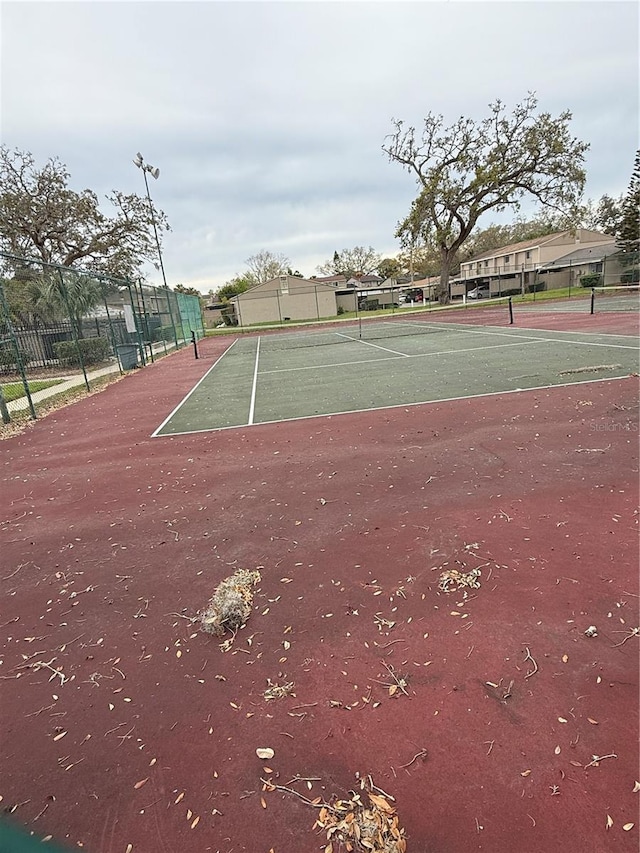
(352, 263)
(465, 170)
(266, 265)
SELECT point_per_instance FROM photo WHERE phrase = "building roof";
(585, 255)
(529, 244)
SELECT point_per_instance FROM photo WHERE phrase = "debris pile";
(453, 580)
(358, 826)
(230, 606)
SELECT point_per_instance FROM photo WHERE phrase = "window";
(284, 285)
(507, 258)
(486, 263)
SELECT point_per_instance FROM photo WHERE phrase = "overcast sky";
(266, 119)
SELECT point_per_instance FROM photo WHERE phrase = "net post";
(510, 312)
(593, 299)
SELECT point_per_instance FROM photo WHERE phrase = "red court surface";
(122, 723)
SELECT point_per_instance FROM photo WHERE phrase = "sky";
(267, 119)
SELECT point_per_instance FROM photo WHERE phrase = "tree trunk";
(442, 290)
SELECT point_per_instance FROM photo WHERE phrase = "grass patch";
(14, 390)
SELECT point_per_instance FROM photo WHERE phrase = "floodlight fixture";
(153, 170)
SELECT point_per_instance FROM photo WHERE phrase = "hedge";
(94, 350)
(8, 357)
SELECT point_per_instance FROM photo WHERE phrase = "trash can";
(128, 356)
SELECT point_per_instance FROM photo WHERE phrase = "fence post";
(175, 331)
(6, 417)
(136, 319)
(74, 330)
(111, 332)
(16, 348)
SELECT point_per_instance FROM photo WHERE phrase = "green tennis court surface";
(285, 376)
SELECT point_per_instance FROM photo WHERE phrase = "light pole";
(153, 170)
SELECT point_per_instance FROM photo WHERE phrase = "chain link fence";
(64, 331)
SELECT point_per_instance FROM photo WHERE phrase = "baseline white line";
(377, 346)
(252, 404)
(184, 399)
(394, 358)
(406, 405)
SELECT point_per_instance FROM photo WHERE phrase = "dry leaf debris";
(230, 606)
(277, 691)
(452, 580)
(356, 824)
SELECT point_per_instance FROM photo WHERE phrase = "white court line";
(542, 340)
(184, 399)
(377, 346)
(406, 405)
(395, 358)
(252, 405)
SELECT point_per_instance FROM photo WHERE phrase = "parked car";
(480, 292)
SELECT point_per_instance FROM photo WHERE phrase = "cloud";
(267, 119)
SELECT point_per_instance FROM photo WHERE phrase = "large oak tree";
(471, 168)
(41, 216)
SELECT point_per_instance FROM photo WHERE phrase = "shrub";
(8, 358)
(632, 277)
(93, 350)
(591, 280)
(340, 309)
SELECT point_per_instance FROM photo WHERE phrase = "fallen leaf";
(141, 783)
(593, 722)
(265, 752)
(636, 787)
(60, 736)
(129, 848)
(609, 821)
(561, 720)
(178, 798)
(525, 772)
(557, 750)
(628, 826)
(565, 658)
(380, 802)
(189, 814)
(263, 802)
(196, 821)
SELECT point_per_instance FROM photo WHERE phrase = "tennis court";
(364, 366)
(447, 603)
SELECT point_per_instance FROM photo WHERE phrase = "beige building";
(521, 267)
(287, 297)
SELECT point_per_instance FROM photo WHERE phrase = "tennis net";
(622, 298)
(494, 312)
